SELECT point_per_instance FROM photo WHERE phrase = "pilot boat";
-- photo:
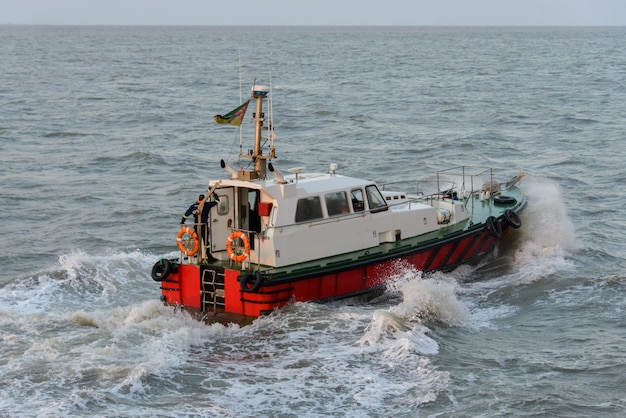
(271, 238)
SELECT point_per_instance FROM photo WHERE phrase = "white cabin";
(325, 214)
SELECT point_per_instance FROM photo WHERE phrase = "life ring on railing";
(512, 218)
(236, 256)
(185, 230)
(494, 226)
(161, 270)
(251, 282)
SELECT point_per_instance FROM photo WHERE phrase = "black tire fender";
(504, 200)
(251, 282)
(494, 226)
(161, 270)
(512, 218)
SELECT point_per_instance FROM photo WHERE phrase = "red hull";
(214, 290)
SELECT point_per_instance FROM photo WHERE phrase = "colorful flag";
(234, 117)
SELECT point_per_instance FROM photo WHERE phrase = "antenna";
(240, 102)
(271, 135)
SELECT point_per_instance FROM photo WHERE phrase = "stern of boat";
(212, 290)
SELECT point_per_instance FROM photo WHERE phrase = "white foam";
(310, 354)
(547, 236)
(399, 330)
(548, 224)
(91, 322)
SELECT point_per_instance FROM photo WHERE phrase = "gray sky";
(315, 12)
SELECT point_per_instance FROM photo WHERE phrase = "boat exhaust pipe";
(277, 174)
(229, 169)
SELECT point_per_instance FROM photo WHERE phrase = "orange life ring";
(235, 256)
(183, 243)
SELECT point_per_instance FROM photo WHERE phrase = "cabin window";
(308, 209)
(336, 203)
(356, 196)
(223, 205)
(375, 199)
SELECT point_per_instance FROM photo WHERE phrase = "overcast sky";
(315, 12)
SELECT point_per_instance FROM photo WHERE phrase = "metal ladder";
(212, 289)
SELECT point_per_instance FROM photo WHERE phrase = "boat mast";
(260, 161)
(256, 154)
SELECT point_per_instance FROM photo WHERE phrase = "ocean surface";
(107, 136)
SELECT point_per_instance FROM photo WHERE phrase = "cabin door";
(248, 219)
(237, 210)
(222, 219)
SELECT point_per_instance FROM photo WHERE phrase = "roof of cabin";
(310, 183)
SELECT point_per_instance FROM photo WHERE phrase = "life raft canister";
(183, 243)
(494, 226)
(512, 218)
(236, 256)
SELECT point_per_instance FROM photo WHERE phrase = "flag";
(234, 117)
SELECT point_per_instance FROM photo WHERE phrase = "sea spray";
(424, 300)
(548, 235)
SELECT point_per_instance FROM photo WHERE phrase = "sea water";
(107, 136)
